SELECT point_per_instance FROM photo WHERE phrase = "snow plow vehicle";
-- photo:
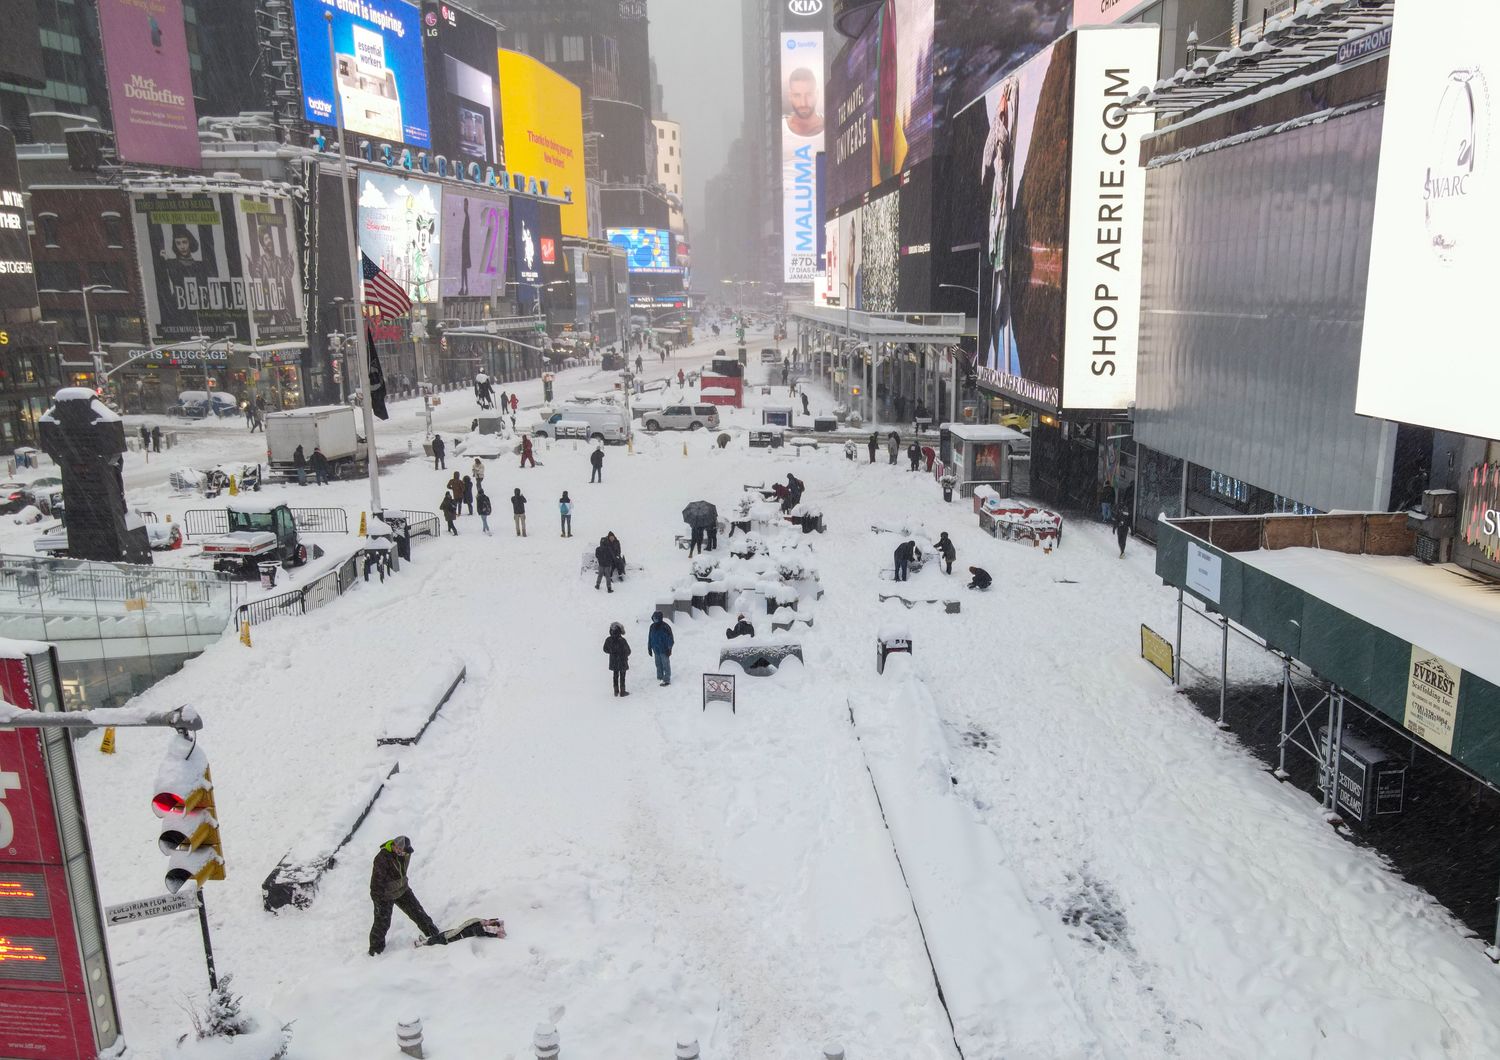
(258, 532)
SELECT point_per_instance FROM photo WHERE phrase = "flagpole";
(356, 277)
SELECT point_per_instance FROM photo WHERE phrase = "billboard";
(801, 143)
(1433, 253)
(17, 274)
(376, 68)
(150, 85)
(975, 41)
(525, 235)
(542, 116)
(880, 232)
(915, 287)
(475, 235)
(194, 283)
(1102, 12)
(463, 84)
(398, 230)
(274, 285)
(646, 249)
(881, 89)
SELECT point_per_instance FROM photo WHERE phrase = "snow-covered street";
(1091, 868)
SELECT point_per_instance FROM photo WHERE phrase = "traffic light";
(184, 801)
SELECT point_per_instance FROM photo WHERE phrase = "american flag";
(383, 295)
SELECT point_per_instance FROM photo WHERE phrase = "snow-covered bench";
(760, 660)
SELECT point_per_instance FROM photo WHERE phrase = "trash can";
(889, 641)
(400, 531)
(268, 575)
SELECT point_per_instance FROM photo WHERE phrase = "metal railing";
(33, 580)
(200, 522)
(423, 524)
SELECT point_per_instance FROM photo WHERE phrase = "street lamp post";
(953, 394)
(96, 355)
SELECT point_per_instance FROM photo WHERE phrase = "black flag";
(377, 379)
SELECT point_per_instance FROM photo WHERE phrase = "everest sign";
(150, 87)
(1432, 698)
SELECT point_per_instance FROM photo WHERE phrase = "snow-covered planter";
(225, 1030)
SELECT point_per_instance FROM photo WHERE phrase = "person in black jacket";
(742, 628)
(979, 578)
(905, 553)
(596, 461)
(518, 508)
(874, 445)
(914, 454)
(319, 465)
(947, 551)
(438, 448)
(469, 494)
(156, 439)
(299, 461)
(449, 508)
(1122, 528)
(485, 507)
(604, 563)
(389, 889)
(619, 656)
(618, 551)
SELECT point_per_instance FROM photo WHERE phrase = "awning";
(932, 328)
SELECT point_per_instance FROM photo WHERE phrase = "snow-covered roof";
(984, 432)
(310, 412)
(254, 505)
(74, 393)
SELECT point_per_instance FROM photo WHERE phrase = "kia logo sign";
(804, 7)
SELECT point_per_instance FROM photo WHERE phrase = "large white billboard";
(1428, 354)
(1106, 206)
(801, 140)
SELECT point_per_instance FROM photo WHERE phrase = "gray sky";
(696, 45)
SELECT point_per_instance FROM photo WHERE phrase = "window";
(520, 42)
(549, 48)
(573, 50)
(674, 134)
(671, 151)
(108, 274)
(660, 132)
(54, 276)
(46, 227)
(114, 230)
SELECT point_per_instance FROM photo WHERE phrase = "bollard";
(833, 1051)
(409, 1037)
(687, 1049)
(245, 633)
(684, 448)
(544, 1041)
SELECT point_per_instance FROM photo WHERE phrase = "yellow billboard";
(542, 115)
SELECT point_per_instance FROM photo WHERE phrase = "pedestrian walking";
(619, 657)
(469, 494)
(319, 465)
(638, 363)
(604, 564)
(256, 422)
(979, 578)
(438, 448)
(892, 446)
(249, 416)
(478, 472)
(390, 889)
(504, 401)
(145, 438)
(518, 508)
(947, 550)
(527, 456)
(156, 439)
(1122, 528)
(906, 552)
(596, 461)
(449, 508)
(515, 403)
(456, 489)
(711, 531)
(874, 445)
(299, 462)
(914, 454)
(659, 646)
(681, 378)
(695, 541)
(565, 510)
(805, 411)
(484, 507)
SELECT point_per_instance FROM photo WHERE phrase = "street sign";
(146, 908)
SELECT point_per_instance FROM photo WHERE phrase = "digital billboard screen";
(17, 274)
(475, 239)
(398, 230)
(150, 85)
(525, 237)
(1433, 255)
(376, 68)
(274, 280)
(801, 143)
(543, 129)
(881, 92)
(978, 40)
(463, 84)
(646, 249)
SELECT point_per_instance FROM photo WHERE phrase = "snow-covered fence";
(323, 589)
(408, 741)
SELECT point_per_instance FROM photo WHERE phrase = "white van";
(606, 423)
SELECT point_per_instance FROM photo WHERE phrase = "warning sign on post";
(1432, 698)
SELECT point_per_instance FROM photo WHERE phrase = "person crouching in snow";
(659, 645)
(619, 656)
(389, 889)
(979, 578)
(742, 628)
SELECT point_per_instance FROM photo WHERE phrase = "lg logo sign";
(804, 7)
(8, 782)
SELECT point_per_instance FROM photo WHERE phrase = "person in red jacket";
(526, 454)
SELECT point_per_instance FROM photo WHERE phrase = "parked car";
(197, 404)
(163, 536)
(682, 418)
(13, 497)
(599, 422)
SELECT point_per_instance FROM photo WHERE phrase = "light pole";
(96, 355)
(953, 394)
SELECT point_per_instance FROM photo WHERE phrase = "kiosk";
(980, 455)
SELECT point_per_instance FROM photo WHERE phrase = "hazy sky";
(696, 45)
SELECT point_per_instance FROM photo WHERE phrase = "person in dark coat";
(619, 656)
(145, 438)
(449, 508)
(874, 445)
(805, 410)
(469, 494)
(659, 645)
(485, 506)
(299, 461)
(319, 465)
(914, 454)
(518, 508)
(905, 553)
(1122, 528)
(979, 578)
(390, 889)
(618, 552)
(892, 447)
(456, 488)
(156, 439)
(527, 457)
(596, 461)
(695, 541)
(947, 551)
(711, 531)
(797, 488)
(604, 563)
(438, 448)
(741, 628)
(504, 401)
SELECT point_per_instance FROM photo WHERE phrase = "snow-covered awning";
(937, 328)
